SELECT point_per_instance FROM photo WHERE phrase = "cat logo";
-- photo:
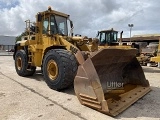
(73, 49)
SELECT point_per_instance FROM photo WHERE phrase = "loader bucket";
(110, 81)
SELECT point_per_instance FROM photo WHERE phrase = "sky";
(88, 16)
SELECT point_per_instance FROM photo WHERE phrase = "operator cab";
(54, 22)
(107, 37)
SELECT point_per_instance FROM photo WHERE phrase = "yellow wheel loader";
(109, 38)
(157, 58)
(106, 79)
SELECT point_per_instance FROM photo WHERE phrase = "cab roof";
(50, 11)
(109, 30)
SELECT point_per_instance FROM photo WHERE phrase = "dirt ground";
(31, 99)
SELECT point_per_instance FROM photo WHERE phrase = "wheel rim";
(52, 69)
(19, 63)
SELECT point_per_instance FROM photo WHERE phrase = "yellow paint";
(117, 47)
(157, 58)
(52, 69)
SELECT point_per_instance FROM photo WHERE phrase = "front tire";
(21, 64)
(59, 68)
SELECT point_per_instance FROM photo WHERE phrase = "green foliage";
(18, 38)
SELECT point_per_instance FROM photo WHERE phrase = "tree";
(18, 38)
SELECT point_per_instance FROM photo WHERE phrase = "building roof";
(7, 40)
(147, 35)
(144, 38)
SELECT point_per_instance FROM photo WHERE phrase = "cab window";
(45, 26)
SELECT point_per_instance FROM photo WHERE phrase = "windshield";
(61, 23)
(55, 25)
(107, 37)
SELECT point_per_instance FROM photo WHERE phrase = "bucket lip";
(134, 50)
(123, 104)
(135, 98)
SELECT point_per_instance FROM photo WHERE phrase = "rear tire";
(21, 64)
(59, 68)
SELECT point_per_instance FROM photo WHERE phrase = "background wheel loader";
(106, 79)
(109, 38)
(147, 53)
(157, 58)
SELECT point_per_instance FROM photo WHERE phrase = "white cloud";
(88, 16)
